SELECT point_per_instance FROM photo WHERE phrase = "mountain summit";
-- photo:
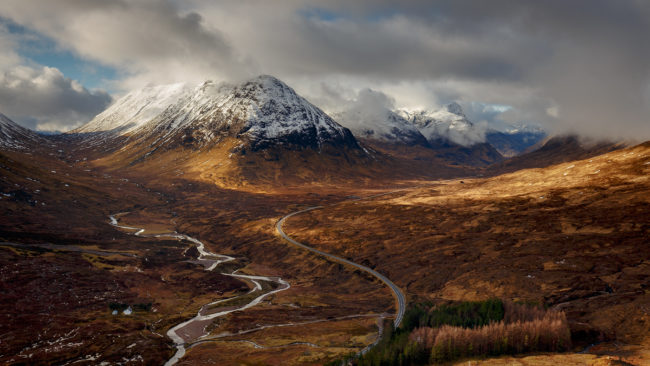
(261, 112)
(448, 124)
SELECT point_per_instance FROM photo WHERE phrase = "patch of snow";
(135, 109)
(136, 358)
(128, 311)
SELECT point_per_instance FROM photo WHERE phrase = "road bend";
(397, 292)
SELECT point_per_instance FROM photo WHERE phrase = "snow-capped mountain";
(448, 123)
(381, 125)
(261, 112)
(14, 136)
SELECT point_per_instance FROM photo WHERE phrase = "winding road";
(397, 292)
(193, 331)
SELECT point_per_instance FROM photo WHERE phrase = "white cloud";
(44, 99)
(148, 41)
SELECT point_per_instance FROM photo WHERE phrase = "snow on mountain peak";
(263, 111)
(447, 123)
(382, 125)
(135, 109)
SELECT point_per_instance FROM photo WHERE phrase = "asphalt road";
(397, 292)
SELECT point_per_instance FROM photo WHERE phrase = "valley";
(240, 224)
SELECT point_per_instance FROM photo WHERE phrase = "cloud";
(43, 99)
(369, 111)
(149, 41)
(586, 61)
(39, 97)
(372, 101)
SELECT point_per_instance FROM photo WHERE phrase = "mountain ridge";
(15, 136)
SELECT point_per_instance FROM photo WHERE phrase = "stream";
(195, 328)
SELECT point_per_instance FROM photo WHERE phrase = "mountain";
(256, 131)
(16, 137)
(381, 125)
(448, 123)
(515, 140)
(454, 137)
(261, 112)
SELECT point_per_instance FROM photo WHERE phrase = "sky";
(580, 66)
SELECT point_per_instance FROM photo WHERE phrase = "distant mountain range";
(515, 140)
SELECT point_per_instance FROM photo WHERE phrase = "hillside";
(568, 236)
(554, 150)
(15, 137)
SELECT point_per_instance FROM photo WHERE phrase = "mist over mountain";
(448, 123)
(371, 116)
